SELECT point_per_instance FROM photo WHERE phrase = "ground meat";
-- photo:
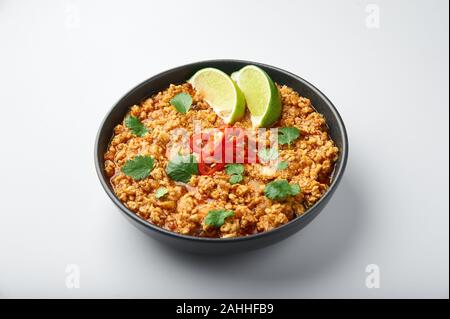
(311, 160)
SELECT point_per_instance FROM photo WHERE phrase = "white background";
(64, 63)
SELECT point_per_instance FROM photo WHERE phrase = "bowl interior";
(181, 74)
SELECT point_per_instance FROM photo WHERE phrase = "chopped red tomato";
(210, 169)
(224, 145)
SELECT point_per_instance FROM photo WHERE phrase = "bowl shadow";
(306, 254)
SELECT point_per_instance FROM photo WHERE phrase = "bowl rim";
(338, 170)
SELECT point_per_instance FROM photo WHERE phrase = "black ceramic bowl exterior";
(216, 245)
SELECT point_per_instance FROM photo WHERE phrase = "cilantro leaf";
(234, 179)
(139, 167)
(181, 168)
(268, 154)
(136, 126)
(160, 192)
(280, 189)
(232, 169)
(295, 189)
(286, 135)
(182, 102)
(216, 218)
(282, 165)
(235, 171)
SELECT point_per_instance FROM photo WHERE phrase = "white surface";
(64, 63)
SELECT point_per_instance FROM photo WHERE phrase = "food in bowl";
(221, 156)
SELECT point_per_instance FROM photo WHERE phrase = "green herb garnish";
(234, 179)
(136, 126)
(139, 167)
(280, 189)
(235, 171)
(268, 154)
(282, 165)
(160, 192)
(181, 168)
(287, 134)
(182, 102)
(216, 218)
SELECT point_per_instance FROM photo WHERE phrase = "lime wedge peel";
(261, 94)
(221, 93)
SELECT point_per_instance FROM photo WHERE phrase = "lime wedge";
(261, 94)
(221, 92)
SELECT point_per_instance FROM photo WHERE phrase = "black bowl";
(217, 245)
